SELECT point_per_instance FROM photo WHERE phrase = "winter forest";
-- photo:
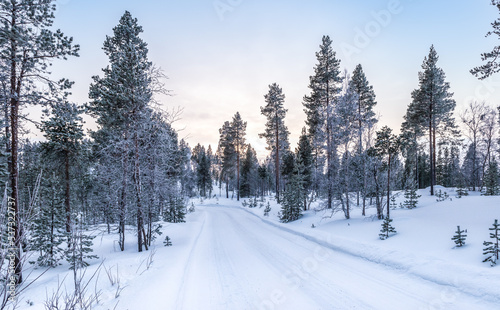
(114, 186)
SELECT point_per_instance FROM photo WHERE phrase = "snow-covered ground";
(230, 257)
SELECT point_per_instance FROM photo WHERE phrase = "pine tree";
(227, 154)
(238, 132)
(386, 228)
(411, 196)
(387, 144)
(276, 133)
(459, 237)
(491, 249)
(27, 46)
(203, 173)
(491, 184)
(325, 85)
(249, 173)
(432, 106)
(492, 64)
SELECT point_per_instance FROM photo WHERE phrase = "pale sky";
(221, 55)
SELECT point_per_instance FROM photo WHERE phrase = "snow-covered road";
(234, 260)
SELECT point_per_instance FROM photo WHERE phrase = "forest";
(133, 171)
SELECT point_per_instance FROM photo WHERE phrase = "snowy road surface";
(236, 261)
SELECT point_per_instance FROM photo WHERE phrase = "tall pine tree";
(325, 85)
(432, 106)
(276, 133)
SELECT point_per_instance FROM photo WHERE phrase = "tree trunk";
(67, 196)
(137, 182)
(388, 185)
(431, 151)
(123, 195)
(277, 162)
(238, 171)
(15, 88)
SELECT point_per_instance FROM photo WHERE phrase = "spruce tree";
(386, 228)
(491, 249)
(459, 237)
(276, 133)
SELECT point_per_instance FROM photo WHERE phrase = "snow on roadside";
(422, 247)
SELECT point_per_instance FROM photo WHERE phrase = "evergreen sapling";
(267, 209)
(459, 237)
(491, 249)
(411, 196)
(167, 241)
(386, 228)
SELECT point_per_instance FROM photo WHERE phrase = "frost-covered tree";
(432, 106)
(28, 45)
(344, 129)
(472, 118)
(325, 85)
(48, 231)
(365, 118)
(387, 145)
(491, 250)
(293, 196)
(63, 129)
(120, 102)
(276, 133)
